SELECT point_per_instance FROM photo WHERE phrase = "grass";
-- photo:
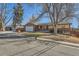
(34, 34)
(65, 38)
(57, 37)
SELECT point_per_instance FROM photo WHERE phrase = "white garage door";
(29, 28)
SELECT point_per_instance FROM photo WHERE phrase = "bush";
(75, 33)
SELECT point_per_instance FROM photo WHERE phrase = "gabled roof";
(61, 23)
(29, 24)
(21, 26)
(52, 24)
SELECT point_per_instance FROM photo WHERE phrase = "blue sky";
(30, 10)
(74, 23)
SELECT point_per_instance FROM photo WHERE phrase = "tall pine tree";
(18, 15)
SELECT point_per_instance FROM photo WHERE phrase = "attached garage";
(29, 27)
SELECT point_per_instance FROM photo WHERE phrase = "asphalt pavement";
(31, 47)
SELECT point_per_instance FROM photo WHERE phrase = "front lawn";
(34, 34)
(60, 37)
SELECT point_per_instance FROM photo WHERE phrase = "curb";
(61, 42)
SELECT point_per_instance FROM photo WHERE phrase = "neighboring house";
(17, 29)
(76, 29)
(62, 27)
(20, 28)
(8, 28)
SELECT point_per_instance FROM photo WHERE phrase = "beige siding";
(59, 26)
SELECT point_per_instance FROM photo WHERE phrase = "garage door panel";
(29, 28)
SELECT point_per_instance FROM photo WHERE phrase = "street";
(31, 47)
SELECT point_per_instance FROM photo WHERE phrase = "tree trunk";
(55, 29)
(3, 26)
(13, 29)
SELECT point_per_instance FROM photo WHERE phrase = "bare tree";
(57, 12)
(3, 15)
(36, 18)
